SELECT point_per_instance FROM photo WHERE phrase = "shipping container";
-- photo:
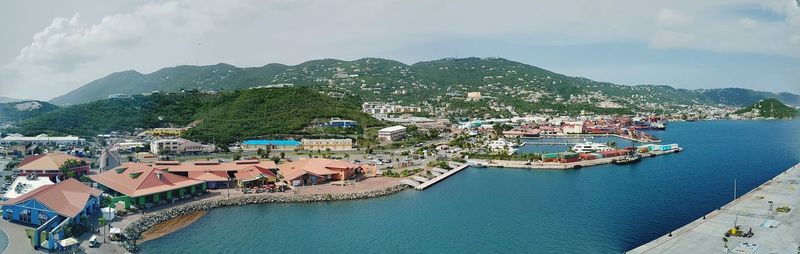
(567, 155)
(550, 156)
(597, 155)
(666, 148)
(588, 156)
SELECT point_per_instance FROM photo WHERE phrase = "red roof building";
(143, 184)
(49, 164)
(316, 171)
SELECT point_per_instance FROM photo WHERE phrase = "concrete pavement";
(774, 232)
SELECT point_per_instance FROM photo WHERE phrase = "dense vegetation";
(10, 113)
(770, 108)
(260, 112)
(527, 88)
(222, 118)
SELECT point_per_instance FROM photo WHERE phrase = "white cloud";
(795, 38)
(67, 43)
(668, 17)
(748, 23)
(76, 49)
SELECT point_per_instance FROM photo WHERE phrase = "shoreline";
(170, 226)
(133, 232)
(566, 166)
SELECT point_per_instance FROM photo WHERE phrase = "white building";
(344, 144)
(573, 128)
(129, 145)
(179, 146)
(25, 184)
(474, 96)
(42, 139)
(392, 134)
(375, 108)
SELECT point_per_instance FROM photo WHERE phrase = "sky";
(47, 52)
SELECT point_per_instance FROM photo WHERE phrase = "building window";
(25, 216)
(43, 218)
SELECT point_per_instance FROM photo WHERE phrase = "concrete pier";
(572, 165)
(774, 231)
(441, 177)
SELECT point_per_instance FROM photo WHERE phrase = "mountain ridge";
(431, 78)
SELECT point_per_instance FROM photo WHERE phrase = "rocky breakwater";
(135, 228)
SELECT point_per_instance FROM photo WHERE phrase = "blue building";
(341, 123)
(51, 208)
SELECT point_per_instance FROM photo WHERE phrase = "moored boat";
(628, 160)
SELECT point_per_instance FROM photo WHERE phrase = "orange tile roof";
(48, 161)
(252, 173)
(315, 166)
(203, 166)
(67, 198)
(209, 176)
(139, 179)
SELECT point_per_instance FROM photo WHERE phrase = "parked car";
(93, 241)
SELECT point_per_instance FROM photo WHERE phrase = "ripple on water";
(604, 209)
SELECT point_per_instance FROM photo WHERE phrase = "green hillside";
(15, 111)
(216, 77)
(438, 83)
(770, 108)
(222, 117)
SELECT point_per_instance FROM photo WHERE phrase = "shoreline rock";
(133, 231)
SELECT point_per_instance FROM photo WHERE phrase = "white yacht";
(589, 147)
(502, 144)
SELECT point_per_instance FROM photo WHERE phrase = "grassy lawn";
(30, 232)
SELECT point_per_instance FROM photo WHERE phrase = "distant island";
(769, 108)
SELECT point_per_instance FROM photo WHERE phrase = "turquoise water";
(531, 145)
(605, 209)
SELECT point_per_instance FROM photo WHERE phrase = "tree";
(276, 159)
(267, 151)
(68, 168)
(237, 155)
(260, 152)
(283, 155)
(106, 201)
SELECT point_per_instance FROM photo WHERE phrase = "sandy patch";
(170, 226)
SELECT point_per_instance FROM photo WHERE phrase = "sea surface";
(555, 145)
(604, 209)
